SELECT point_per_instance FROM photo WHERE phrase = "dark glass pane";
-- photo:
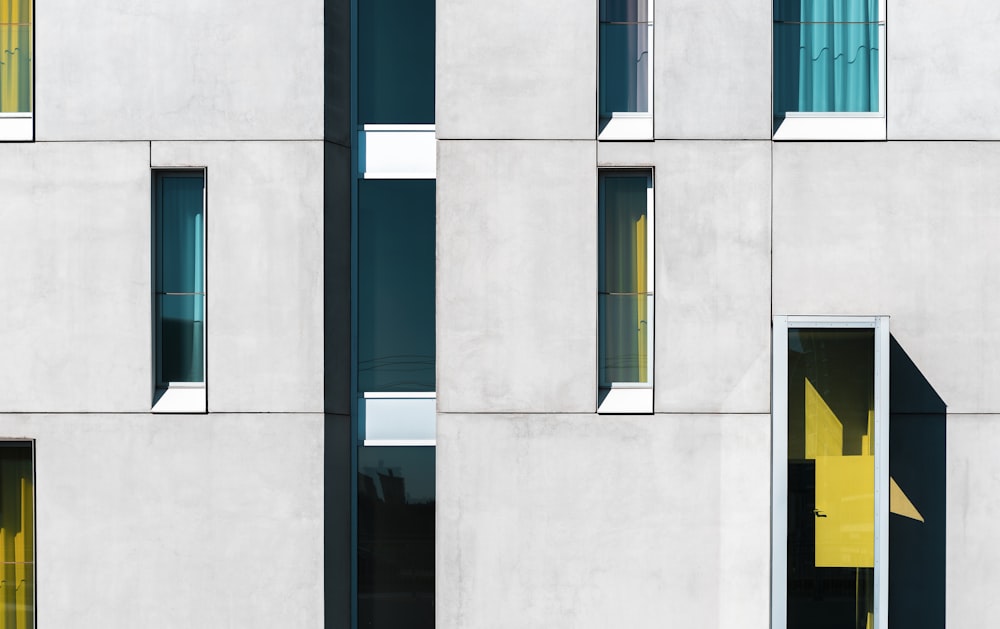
(396, 285)
(396, 61)
(624, 71)
(624, 11)
(623, 230)
(625, 328)
(831, 482)
(180, 234)
(396, 538)
(180, 337)
(17, 598)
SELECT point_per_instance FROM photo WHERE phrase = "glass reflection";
(831, 478)
(396, 285)
(396, 537)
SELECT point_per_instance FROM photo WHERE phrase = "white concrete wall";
(177, 521)
(904, 229)
(603, 521)
(712, 69)
(186, 70)
(516, 70)
(517, 276)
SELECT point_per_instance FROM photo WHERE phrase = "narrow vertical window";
(16, 76)
(626, 69)
(17, 535)
(832, 479)
(625, 292)
(179, 299)
(829, 67)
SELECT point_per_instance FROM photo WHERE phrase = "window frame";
(802, 125)
(779, 457)
(627, 397)
(178, 397)
(621, 125)
(19, 126)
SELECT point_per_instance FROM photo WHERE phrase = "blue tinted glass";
(180, 338)
(180, 273)
(396, 537)
(623, 11)
(396, 61)
(625, 67)
(396, 285)
(180, 230)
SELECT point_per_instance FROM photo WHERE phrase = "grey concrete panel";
(973, 510)
(712, 253)
(180, 70)
(337, 279)
(264, 271)
(941, 75)
(516, 70)
(177, 521)
(906, 229)
(603, 521)
(75, 327)
(517, 276)
(712, 69)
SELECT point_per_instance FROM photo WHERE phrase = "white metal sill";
(397, 151)
(625, 399)
(181, 397)
(822, 126)
(17, 127)
(397, 418)
(635, 126)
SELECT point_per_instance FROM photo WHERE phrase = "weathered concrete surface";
(603, 521)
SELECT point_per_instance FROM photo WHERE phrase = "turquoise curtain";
(826, 56)
(180, 278)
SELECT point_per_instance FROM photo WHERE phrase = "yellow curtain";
(17, 539)
(16, 53)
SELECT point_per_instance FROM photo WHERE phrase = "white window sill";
(400, 151)
(181, 398)
(624, 399)
(801, 126)
(626, 126)
(397, 419)
(17, 127)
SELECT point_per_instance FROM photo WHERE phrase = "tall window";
(830, 472)
(828, 59)
(180, 287)
(17, 535)
(16, 56)
(626, 66)
(625, 276)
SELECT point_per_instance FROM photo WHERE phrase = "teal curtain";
(625, 32)
(826, 56)
(180, 278)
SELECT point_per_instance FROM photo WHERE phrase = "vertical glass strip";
(180, 278)
(17, 530)
(831, 478)
(625, 293)
(625, 37)
(16, 52)
(396, 537)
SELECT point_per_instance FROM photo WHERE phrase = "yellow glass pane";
(16, 52)
(845, 512)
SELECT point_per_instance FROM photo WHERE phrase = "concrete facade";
(552, 515)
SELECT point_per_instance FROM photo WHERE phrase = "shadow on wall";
(917, 463)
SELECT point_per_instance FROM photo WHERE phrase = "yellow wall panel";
(845, 495)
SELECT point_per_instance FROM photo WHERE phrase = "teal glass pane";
(396, 62)
(396, 499)
(180, 234)
(180, 337)
(826, 56)
(624, 11)
(396, 285)
(624, 71)
(626, 325)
